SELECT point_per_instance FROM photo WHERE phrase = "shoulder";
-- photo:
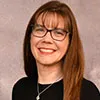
(24, 84)
(24, 89)
(89, 90)
(89, 85)
(23, 81)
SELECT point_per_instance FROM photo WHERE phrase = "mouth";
(46, 50)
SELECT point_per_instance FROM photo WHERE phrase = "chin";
(49, 62)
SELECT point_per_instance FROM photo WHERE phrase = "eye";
(39, 29)
(59, 32)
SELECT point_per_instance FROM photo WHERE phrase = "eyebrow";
(53, 28)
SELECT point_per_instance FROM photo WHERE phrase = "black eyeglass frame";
(49, 30)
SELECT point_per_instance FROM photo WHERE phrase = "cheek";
(64, 49)
(33, 43)
(64, 46)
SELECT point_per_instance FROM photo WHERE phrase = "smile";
(46, 50)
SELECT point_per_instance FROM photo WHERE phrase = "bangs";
(53, 18)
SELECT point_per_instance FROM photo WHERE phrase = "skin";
(48, 52)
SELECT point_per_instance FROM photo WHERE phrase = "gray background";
(14, 16)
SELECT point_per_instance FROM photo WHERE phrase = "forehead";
(51, 20)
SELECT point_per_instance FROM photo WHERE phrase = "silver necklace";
(39, 93)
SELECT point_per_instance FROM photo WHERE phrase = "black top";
(26, 89)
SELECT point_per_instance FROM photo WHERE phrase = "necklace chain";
(39, 93)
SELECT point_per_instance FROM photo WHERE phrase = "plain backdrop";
(14, 17)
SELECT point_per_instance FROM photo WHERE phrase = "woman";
(53, 58)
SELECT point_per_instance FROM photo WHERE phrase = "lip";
(46, 50)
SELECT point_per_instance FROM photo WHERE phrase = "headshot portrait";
(51, 51)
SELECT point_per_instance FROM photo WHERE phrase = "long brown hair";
(73, 66)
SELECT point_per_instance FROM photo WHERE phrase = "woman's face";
(46, 50)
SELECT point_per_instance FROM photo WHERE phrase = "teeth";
(46, 50)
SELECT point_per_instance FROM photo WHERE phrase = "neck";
(49, 74)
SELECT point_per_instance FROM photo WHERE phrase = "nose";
(47, 38)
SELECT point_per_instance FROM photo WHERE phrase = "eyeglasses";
(56, 34)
